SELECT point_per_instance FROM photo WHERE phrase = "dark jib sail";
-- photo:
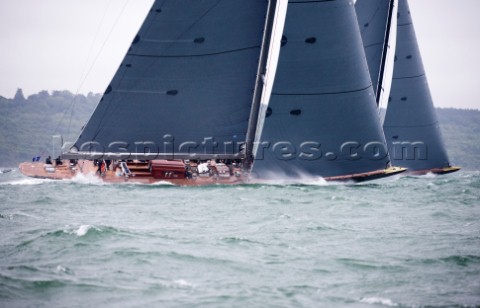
(185, 86)
(411, 126)
(322, 118)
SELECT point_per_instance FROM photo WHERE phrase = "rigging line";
(195, 22)
(111, 31)
(372, 18)
(83, 75)
(109, 108)
(97, 56)
(105, 42)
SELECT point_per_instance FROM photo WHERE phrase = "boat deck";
(140, 173)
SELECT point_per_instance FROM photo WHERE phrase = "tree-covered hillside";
(461, 133)
(28, 124)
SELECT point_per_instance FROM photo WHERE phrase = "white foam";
(296, 178)
(89, 178)
(429, 175)
(60, 269)
(162, 183)
(378, 301)
(159, 183)
(82, 230)
(26, 182)
(312, 181)
(183, 283)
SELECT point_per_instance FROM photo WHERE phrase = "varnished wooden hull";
(438, 171)
(87, 168)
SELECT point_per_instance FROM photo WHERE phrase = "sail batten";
(409, 77)
(324, 93)
(194, 55)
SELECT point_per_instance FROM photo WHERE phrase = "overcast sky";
(77, 45)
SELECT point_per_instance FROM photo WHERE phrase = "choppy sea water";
(401, 242)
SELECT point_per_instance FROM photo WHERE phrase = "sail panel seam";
(320, 94)
(373, 45)
(191, 56)
(425, 125)
(409, 77)
(298, 1)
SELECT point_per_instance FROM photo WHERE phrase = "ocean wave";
(182, 283)
(369, 265)
(378, 301)
(26, 182)
(320, 228)
(239, 240)
(92, 230)
(6, 216)
(461, 260)
(305, 181)
(458, 260)
(82, 231)
(199, 258)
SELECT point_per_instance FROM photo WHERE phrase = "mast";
(257, 94)
(378, 21)
(271, 69)
(385, 52)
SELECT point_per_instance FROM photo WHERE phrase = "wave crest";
(378, 301)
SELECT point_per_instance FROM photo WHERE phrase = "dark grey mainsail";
(186, 84)
(322, 118)
(411, 126)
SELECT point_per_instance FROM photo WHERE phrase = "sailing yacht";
(266, 89)
(411, 127)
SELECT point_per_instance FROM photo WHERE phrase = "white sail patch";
(386, 86)
(271, 68)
